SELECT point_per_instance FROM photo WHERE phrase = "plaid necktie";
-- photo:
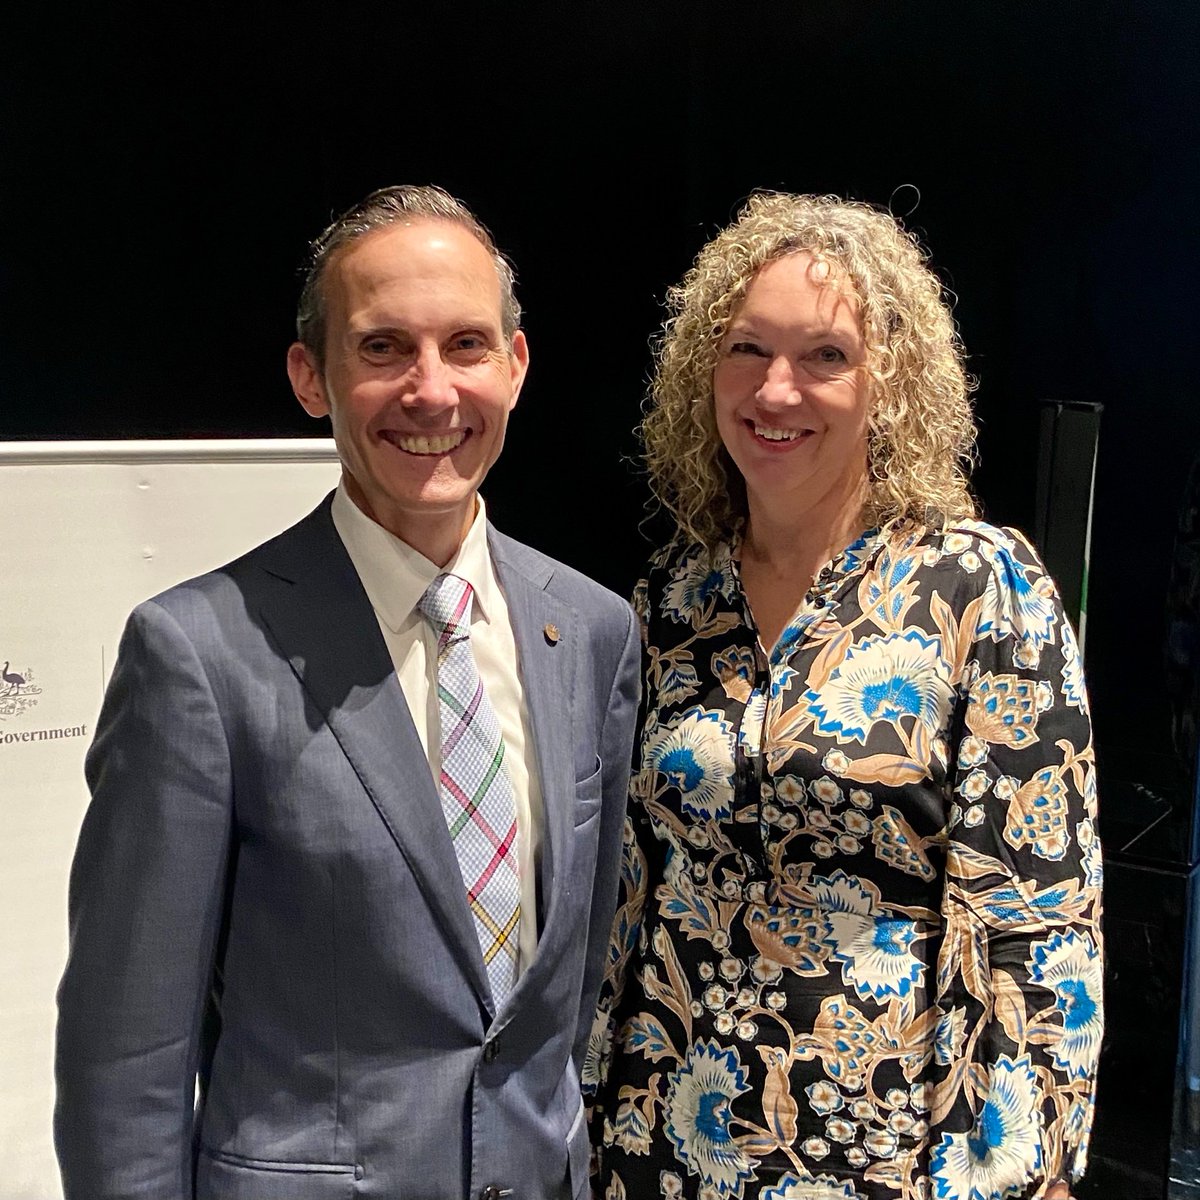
(476, 793)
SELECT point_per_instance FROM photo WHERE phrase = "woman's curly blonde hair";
(921, 434)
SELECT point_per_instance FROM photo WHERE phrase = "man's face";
(418, 379)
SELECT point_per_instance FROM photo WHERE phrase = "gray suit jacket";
(265, 897)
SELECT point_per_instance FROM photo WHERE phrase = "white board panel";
(87, 530)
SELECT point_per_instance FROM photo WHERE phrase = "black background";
(163, 167)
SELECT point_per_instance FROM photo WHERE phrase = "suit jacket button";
(489, 1054)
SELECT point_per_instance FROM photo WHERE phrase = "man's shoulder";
(277, 558)
(565, 582)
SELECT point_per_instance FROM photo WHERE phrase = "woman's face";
(791, 388)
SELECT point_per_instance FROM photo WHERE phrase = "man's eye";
(377, 347)
(468, 347)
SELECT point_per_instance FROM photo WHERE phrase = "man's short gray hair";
(396, 205)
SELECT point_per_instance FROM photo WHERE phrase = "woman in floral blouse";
(857, 953)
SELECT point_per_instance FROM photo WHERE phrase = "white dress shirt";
(395, 577)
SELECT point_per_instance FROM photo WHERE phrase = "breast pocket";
(588, 794)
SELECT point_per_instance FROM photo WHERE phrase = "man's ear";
(519, 359)
(307, 380)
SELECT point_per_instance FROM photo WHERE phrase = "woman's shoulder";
(994, 539)
(995, 574)
(682, 575)
(972, 548)
(681, 555)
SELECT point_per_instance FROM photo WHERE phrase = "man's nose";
(779, 385)
(431, 379)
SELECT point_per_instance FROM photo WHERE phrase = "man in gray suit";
(353, 844)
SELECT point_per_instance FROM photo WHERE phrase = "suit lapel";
(547, 663)
(324, 623)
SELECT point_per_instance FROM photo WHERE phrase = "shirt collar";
(395, 576)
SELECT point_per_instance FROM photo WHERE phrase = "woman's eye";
(746, 348)
(830, 355)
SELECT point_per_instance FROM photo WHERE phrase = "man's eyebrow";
(466, 325)
(378, 331)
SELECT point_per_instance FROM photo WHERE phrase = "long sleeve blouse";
(858, 943)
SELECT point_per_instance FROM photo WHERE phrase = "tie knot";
(447, 606)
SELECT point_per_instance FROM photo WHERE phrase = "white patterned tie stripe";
(476, 793)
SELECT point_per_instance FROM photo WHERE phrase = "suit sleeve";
(625, 926)
(145, 908)
(616, 751)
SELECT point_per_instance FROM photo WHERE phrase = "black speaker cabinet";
(1066, 478)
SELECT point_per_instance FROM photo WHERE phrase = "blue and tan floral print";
(857, 954)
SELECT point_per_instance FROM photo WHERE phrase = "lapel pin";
(552, 635)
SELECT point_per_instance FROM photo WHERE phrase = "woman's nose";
(779, 384)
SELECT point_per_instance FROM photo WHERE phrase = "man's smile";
(426, 444)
